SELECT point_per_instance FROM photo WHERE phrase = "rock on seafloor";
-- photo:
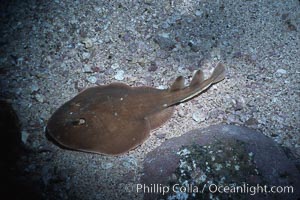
(221, 155)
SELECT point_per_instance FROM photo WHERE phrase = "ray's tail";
(197, 85)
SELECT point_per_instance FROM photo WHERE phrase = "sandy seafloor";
(50, 50)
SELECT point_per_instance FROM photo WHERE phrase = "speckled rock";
(223, 155)
(164, 41)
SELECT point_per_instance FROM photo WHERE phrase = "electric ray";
(113, 119)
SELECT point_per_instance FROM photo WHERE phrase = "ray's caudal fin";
(180, 93)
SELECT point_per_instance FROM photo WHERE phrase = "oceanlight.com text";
(249, 189)
(211, 188)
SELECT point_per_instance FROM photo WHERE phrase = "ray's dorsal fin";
(198, 78)
(218, 73)
(178, 84)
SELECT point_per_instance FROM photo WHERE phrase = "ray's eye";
(78, 122)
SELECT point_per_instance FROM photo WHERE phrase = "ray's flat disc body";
(108, 119)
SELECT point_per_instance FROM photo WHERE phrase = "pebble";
(153, 67)
(129, 163)
(107, 39)
(198, 117)
(92, 79)
(164, 41)
(87, 69)
(30, 168)
(233, 119)
(24, 136)
(161, 135)
(44, 115)
(198, 13)
(181, 113)
(106, 165)
(251, 77)
(162, 54)
(86, 55)
(165, 25)
(174, 18)
(115, 66)
(239, 104)
(20, 61)
(251, 122)
(141, 62)
(149, 2)
(39, 97)
(281, 71)
(34, 88)
(162, 87)
(127, 37)
(46, 174)
(216, 53)
(88, 43)
(120, 75)
(132, 47)
(194, 46)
